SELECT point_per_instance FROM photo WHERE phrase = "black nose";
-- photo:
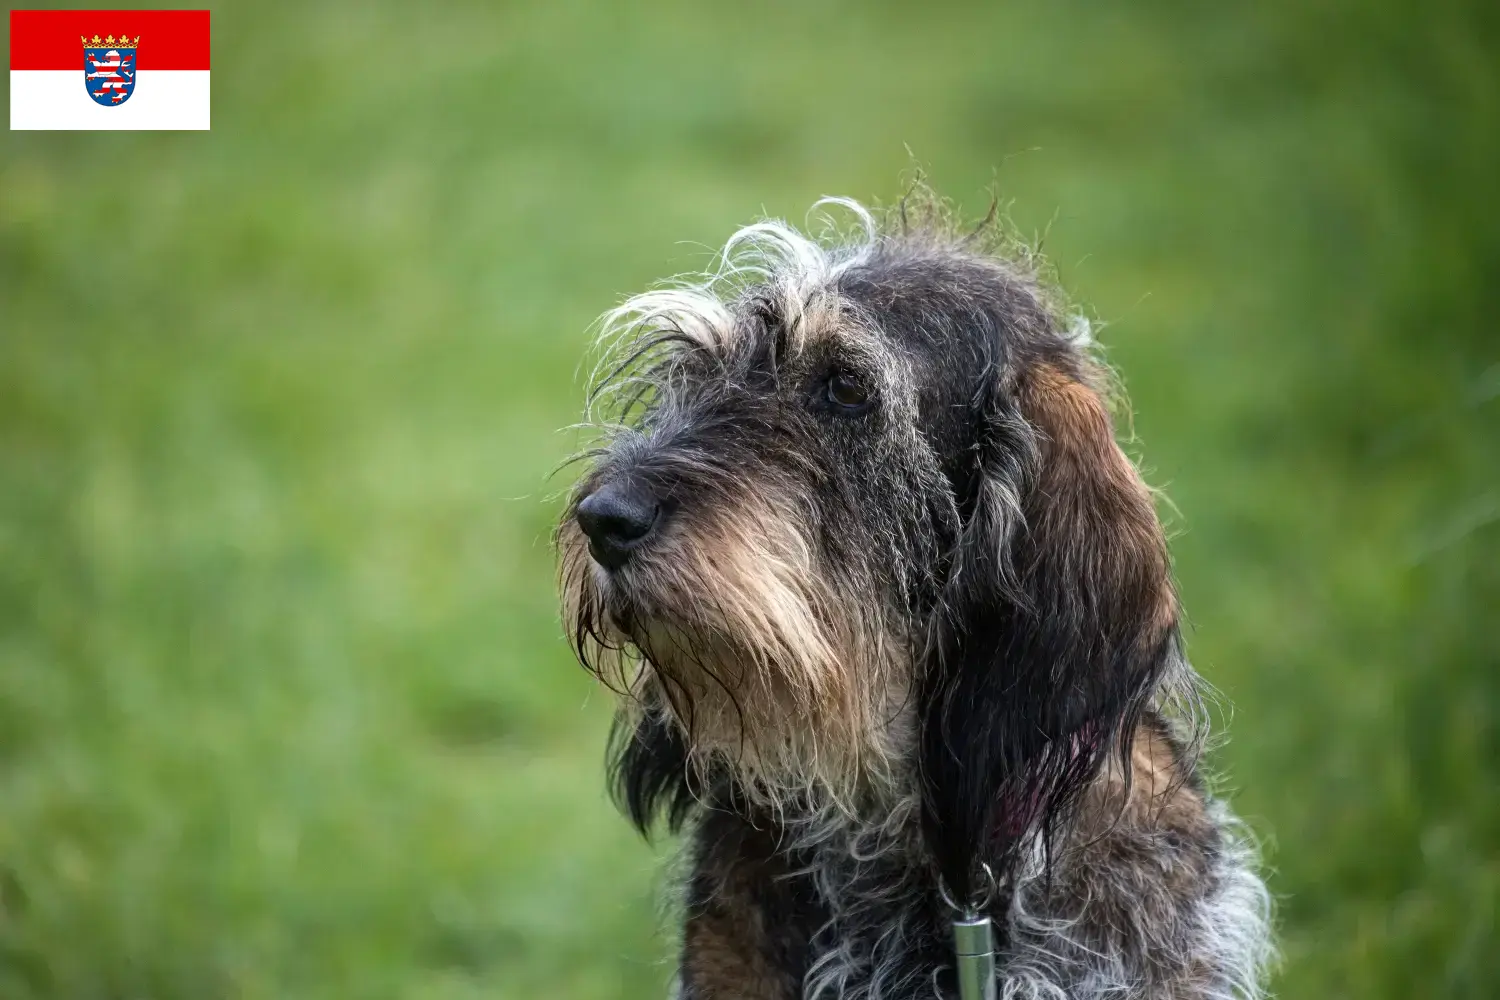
(617, 519)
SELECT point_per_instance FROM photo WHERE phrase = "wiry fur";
(877, 654)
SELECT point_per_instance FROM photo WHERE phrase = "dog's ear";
(1057, 621)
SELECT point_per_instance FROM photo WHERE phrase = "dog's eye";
(847, 391)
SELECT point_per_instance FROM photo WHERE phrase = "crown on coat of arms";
(109, 41)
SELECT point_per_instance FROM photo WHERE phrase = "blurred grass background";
(284, 706)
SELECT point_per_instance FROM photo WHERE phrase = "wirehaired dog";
(892, 621)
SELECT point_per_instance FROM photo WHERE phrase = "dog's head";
(858, 525)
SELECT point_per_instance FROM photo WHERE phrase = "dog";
(891, 619)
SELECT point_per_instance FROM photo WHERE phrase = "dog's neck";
(881, 827)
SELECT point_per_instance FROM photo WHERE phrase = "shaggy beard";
(733, 633)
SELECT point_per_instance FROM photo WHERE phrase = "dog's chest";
(830, 919)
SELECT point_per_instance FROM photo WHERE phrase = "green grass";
(284, 706)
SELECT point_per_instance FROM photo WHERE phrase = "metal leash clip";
(974, 955)
(974, 944)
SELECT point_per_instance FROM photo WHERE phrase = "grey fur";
(790, 645)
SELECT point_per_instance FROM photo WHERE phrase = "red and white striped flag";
(141, 69)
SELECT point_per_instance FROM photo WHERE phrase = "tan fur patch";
(721, 966)
(721, 957)
(1160, 793)
(1082, 441)
(1156, 799)
(754, 655)
(1142, 855)
(1090, 491)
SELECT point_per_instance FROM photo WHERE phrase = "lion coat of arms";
(109, 68)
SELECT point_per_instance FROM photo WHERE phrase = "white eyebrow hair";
(797, 270)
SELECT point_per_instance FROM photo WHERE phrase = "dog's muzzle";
(618, 518)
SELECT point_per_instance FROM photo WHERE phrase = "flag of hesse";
(109, 69)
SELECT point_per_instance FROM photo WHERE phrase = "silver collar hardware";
(974, 942)
(974, 952)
